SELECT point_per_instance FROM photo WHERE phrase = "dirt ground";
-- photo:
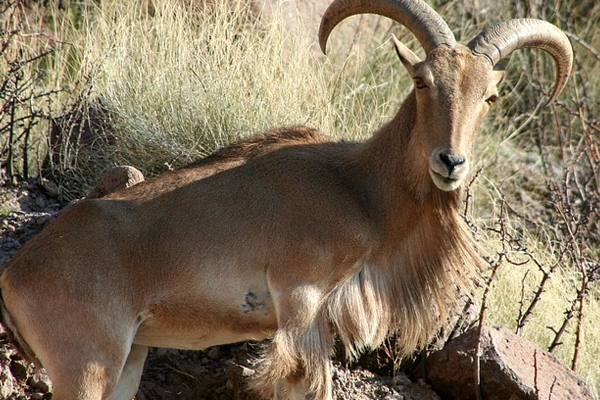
(218, 373)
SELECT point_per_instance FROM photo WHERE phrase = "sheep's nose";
(451, 161)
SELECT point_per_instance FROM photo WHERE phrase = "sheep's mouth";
(445, 183)
(446, 179)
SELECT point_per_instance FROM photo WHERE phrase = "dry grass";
(184, 81)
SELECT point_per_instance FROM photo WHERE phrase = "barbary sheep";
(287, 236)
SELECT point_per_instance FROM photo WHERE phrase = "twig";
(551, 393)
(546, 275)
(584, 44)
(468, 194)
(521, 303)
(535, 374)
(558, 333)
(588, 275)
(11, 135)
(178, 371)
(495, 266)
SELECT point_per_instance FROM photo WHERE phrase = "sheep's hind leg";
(129, 381)
(89, 363)
(80, 375)
(85, 377)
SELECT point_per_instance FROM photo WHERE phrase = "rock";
(214, 353)
(237, 377)
(511, 368)
(39, 381)
(7, 383)
(114, 179)
(49, 186)
(40, 201)
(19, 369)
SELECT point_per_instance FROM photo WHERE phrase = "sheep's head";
(455, 85)
(453, 91)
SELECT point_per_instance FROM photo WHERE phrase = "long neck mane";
(426, 256)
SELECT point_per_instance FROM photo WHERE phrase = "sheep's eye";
(491, 99)
(420, 83)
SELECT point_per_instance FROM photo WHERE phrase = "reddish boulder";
(114, 179)
(512, 368)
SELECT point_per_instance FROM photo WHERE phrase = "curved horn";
(422, 20)
(500, 40)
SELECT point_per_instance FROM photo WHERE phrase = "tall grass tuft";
(181, 81)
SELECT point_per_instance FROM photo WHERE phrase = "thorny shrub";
(23, 102)
(567, 138)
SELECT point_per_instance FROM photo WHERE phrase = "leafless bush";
(568, 142)
(23, 100)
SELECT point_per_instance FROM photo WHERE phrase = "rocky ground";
(218, 373)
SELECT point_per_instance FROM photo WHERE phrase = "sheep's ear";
(499, 70)
(408, 58)
(498, 76)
